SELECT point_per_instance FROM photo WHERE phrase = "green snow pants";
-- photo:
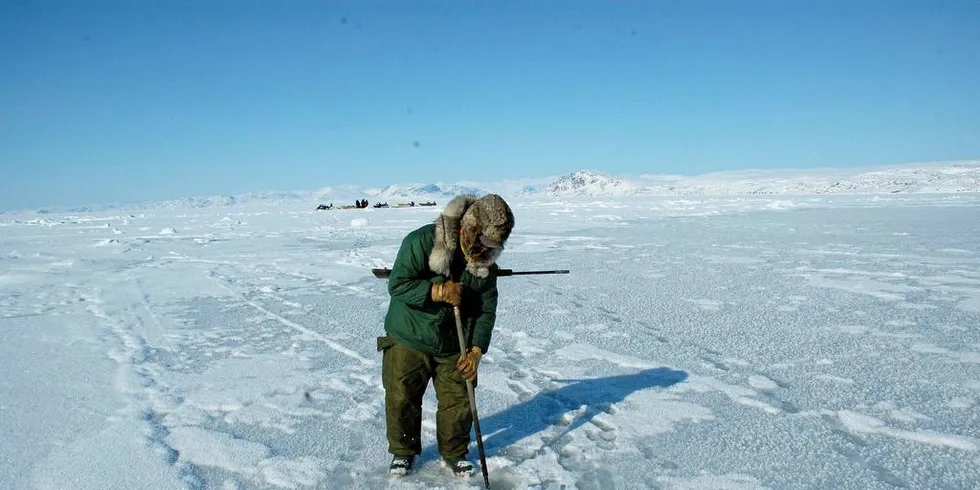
(405, 374)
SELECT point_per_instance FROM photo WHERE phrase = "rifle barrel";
(509, 272)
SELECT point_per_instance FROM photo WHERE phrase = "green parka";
(413, 319)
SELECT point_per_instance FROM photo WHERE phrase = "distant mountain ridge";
(926, 178)
(943, 177)
(425, 191)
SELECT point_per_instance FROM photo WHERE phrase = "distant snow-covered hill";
(925, 178)
(589, 183)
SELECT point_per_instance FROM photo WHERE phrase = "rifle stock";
(383, 273)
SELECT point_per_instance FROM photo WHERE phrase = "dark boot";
(460, 467)
(401, 465)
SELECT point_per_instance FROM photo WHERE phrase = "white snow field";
(791, 342)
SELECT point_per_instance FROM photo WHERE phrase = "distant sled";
(413, 204)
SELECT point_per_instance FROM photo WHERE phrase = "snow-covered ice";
(811, 341)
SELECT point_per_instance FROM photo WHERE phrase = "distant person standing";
(450, 262)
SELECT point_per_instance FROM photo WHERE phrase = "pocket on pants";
(385, 342)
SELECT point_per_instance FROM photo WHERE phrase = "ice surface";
(725, 343)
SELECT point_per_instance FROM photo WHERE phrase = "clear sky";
(112, 101)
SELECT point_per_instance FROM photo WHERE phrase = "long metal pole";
(472, 395)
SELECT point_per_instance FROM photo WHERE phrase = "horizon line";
(365, 190)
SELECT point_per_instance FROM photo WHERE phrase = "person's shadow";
(545, 409)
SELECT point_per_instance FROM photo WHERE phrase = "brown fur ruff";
(447, 240)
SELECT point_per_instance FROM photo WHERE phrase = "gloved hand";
(469, 362)
(448, 292)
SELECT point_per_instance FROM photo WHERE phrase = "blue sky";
(131, 101)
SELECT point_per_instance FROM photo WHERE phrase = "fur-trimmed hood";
(488, 215)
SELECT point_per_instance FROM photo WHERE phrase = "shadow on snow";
(544, 410)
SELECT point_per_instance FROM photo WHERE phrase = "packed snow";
(781, 342)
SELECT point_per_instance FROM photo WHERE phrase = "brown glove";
(469, 362)
(448, 292)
